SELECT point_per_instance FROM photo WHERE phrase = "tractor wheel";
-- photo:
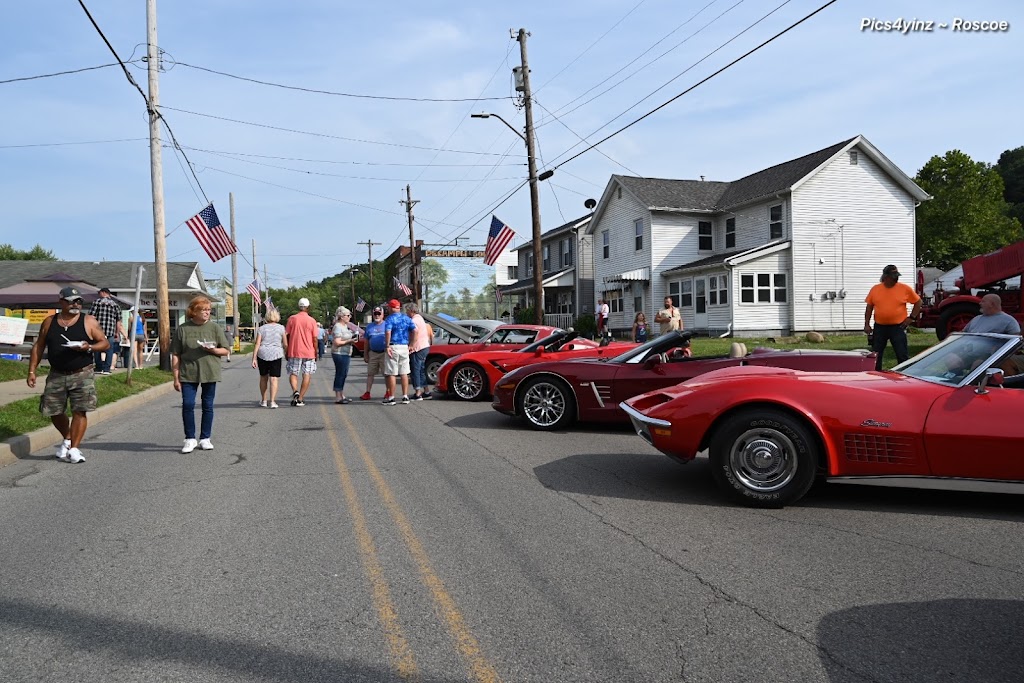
(955, 318)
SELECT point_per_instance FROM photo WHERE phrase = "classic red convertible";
(948, 418)
(470, 376)
(554, 394)
(505, 337)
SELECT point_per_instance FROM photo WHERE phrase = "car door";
(636, 378)
(977, 435)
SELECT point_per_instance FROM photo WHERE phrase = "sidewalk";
(17, 389)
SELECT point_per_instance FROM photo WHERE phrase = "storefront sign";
(12, 330)
(453, 253)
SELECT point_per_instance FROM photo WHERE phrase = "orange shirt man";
(887, 301)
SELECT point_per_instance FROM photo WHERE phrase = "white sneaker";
(205, 444)
(273, 404)
(190, 445)
(62, 450)
(263, 404)
(75, 455)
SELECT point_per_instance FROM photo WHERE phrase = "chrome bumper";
(642, 423)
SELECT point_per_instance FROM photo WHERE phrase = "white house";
(791, 248)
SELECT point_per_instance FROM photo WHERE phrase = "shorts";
(78, 388)
(269, 367)
(397, 363)
(299, 366)
(375, 363)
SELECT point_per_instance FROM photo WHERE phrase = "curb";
(20, 446)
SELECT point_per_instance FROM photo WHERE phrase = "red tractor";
(950, 310)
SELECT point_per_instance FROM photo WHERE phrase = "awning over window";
(638, 275)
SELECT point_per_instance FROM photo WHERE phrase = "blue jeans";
(340, 371)
(319, 348)
(104, 365)
(188, 408)
(417, 368)
(890, 333)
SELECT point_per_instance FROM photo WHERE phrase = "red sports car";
(948, 418)
(503, 338)
(470, 376)
(554, 394)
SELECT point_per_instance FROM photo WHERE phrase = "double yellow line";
(401, 652)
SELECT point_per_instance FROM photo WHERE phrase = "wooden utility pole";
(369, 249)
(417, 289)
(531, 159)
(255, 275)
(234, 275)
(156, 174)
(352, 282)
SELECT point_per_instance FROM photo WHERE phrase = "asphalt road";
(441, 541)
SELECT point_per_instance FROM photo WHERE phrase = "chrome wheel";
(545, 404)
(430, 369)
(763, 459)
(468, 382)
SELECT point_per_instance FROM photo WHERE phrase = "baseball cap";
(378, 309)
(891, 270)
(394, 304)
(105, 290)
(70, 293)
(303, 302)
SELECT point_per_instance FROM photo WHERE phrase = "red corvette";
(470, 376)
(948, 418)
(554, 394)
(503, 338)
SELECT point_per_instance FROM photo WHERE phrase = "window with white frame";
(638, 304)
(604, 243)
(681, 292)
(513, 272)
(566, 252)
(730, 233)
(529, 264)
(763, 288)
(718, 290)
(547, 257)
(775, 222)
(705, 236)
(613, 298)
(564, 302)
(638, 232)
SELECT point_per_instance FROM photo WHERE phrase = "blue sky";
(914, 96)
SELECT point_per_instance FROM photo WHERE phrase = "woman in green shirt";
(196, 350)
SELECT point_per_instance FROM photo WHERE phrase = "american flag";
(360, 305)
(401, 286)
(497, 294)
(254, 289)
(270, 305)
(211, 234)
(497, 239)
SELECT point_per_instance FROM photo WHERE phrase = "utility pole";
(417, 289)
(234, 275)
(538, 263)
(156, 174)
(352, 282)
(369, 249)
(255, 275)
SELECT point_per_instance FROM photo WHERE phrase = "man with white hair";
(992, 318)
(302, 341)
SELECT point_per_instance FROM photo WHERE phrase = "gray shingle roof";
(117, 275)
(565, 227)
(711, 195)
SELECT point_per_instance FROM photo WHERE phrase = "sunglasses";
(74, 301)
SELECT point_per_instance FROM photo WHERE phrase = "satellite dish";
(590, 203)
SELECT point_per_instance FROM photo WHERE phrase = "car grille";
(879, 448)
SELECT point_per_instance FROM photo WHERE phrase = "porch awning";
(638, 275)
(564, 278)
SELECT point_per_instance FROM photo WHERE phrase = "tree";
(36, 253)
(967, 215)
(1011, 169)
(435, 277)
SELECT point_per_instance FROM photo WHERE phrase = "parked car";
(555, 394)
(481, 328)
(470, 376)
(948, 418)
(504, 337)
(443, 329)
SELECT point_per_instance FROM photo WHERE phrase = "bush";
(525, 316)
(586, 325)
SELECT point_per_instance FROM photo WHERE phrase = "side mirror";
(652, 362)
(991, 376)
(539, 351)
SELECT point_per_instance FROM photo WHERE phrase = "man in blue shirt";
(374, 351)
(399, 330)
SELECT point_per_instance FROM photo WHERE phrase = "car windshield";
(660, 344)
(554, 340)
(510, 335)
(959, 359)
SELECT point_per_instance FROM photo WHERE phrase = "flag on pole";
(497, 239)
(401, 286)
(254, 289)
(360, 305)
(211, 234)
(497, 294)
(270, 305)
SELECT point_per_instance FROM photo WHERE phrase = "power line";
(583, 139)
(333, 161)
(81, 142)
(326, 135)
(697, 84)
(61, 73)
(338, 94)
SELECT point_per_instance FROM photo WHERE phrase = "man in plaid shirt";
(108, 315)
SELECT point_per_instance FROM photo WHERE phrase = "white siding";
(849, 221)
(752, 224)
(762, 318)
(617, 218)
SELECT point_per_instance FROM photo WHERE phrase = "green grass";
(11, 370)
(23, 416)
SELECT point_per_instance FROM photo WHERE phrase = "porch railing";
(563, 320)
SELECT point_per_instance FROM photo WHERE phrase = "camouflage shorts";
(79, 388)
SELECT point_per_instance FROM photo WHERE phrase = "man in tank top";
(70, 338)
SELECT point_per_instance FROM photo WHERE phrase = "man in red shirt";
(301, 352)
(887, 301)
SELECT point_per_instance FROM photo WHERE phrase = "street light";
(538, 278)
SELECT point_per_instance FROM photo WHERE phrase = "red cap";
(394, 304)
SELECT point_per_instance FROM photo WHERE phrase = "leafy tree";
(1011, 169)
(967, 215)
(36, 253)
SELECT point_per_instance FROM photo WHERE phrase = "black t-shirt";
(61, 357)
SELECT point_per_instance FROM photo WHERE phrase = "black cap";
(104, 289)
(70, 294)
(378, 309)
(891, 270)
